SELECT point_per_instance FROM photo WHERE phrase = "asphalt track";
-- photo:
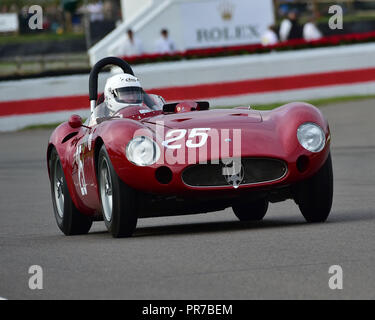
(210, 256)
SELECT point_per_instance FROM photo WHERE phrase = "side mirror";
(75, 121)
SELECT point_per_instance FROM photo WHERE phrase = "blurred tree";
(69, 7)
(21, 3)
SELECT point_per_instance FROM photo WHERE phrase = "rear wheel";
(118, 200)
(314, 196)
(68, 218)
(251, 211)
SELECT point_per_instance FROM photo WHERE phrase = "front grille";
(252, 170)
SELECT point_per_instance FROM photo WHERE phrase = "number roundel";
(179, 134)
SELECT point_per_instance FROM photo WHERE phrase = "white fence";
(242, 80)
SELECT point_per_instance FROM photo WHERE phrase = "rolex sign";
(220, 23)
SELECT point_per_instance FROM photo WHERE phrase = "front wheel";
(118, 200)
(314, 196)
(251, 211)
(68, 218)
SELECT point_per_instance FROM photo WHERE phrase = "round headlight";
(142, 151)
(311, 137)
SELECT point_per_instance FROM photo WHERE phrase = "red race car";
(138, 157)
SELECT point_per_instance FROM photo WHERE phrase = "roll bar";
(93, 81)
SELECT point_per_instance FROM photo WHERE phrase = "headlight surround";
(311, 137)
(142, 151)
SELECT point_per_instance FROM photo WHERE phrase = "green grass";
(317, 103)
(41, 126)
(348, 18)
(46, 126)
(39, 37)
(360, 16)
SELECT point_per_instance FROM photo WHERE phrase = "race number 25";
(178, 134)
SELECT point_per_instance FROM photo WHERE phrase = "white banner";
(217, 23)
(8, 22)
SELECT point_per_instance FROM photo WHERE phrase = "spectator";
(96, 11)
(286, 6)
(290, 28)
(108, 9)
(269, 38)
(13, 8)
(311, 31)
(132, 46)
(165, 45)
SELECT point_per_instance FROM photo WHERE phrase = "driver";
(122, 90)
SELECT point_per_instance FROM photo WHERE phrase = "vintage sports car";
(152, 159)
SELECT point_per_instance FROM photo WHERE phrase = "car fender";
(64, 139)
(116, 134)
(287, 119)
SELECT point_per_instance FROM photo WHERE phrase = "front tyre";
(314, 196)
(117, 199)
(251, 211)
(68, 218)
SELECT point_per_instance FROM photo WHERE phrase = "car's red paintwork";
(264, 134)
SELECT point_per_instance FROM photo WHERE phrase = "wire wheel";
(106, 191)
(59, 189)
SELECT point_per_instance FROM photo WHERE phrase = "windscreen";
(130, 96)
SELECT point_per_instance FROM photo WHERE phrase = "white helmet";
(122, 90)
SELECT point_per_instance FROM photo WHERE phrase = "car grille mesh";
(254, 170)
